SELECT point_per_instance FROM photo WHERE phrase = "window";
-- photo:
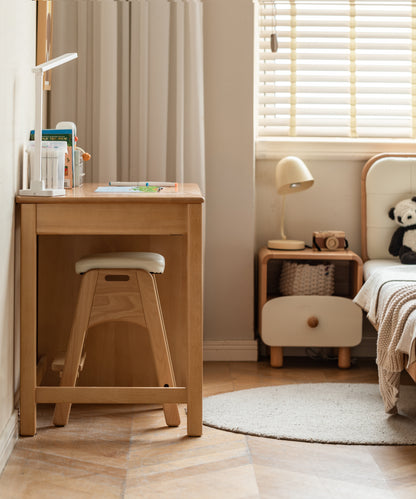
(343, 68)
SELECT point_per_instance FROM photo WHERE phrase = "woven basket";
(305, 279)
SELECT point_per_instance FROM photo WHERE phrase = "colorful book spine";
(61, 135)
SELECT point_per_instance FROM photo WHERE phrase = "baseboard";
(247, 350)
(229, 350)
(8, 439)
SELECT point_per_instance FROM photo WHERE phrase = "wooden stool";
(118, 287)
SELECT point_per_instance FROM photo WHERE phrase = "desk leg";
(28, 320)
(194, 313)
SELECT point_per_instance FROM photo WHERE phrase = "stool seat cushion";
(151, 262)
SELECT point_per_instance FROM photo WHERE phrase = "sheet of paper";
(112, 189)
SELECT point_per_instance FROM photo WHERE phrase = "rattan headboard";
(386, 179)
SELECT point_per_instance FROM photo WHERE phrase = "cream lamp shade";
(292, 175)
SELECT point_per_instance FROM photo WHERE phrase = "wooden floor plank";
(127, 451)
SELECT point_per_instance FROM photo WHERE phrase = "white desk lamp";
(292, 175)
(37, 185)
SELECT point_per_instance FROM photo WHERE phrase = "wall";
(17, 55)
(243, 210)
(333, 202)
(229, 273)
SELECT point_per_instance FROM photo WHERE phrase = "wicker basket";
(306, 279)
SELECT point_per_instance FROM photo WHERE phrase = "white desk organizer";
(52, 163)
(37, 183)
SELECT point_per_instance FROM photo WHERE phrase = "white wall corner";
(8, 439)
(230, 350)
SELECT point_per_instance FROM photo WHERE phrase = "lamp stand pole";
(282, 217)
(37, 184)
(284, 243)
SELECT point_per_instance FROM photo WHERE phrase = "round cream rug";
(342, 413)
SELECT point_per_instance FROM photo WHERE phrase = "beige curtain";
(136, 91)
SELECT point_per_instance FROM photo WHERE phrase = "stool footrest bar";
(110, 395)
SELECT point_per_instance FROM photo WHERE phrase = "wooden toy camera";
(329, 240)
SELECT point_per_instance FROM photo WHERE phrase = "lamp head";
(292, 175)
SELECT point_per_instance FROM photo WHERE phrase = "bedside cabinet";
(310, 320)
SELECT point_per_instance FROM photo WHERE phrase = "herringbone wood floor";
(127, 452)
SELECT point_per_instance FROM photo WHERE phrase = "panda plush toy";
(403, 242)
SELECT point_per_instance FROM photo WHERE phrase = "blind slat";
(388, 99)
(343, 68)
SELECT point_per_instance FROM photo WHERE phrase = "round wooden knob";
(313, 321)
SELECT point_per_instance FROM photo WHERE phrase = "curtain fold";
(138, 104)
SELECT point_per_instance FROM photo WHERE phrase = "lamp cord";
(273, 36)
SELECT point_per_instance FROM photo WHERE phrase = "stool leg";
(76, 343)
(158, 340)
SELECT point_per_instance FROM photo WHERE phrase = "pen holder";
(52, 162)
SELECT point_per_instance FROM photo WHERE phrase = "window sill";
(337, 148)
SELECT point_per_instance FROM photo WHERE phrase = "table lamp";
(292, 175)
(37, 185)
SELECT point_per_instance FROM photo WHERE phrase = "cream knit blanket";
(369, 294)
(394, 314)
(390, 360)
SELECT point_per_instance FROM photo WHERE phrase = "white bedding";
(389, 298)
(371, 266)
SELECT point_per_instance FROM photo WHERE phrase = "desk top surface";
(187, 193)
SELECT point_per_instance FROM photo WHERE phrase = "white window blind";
(343, 68)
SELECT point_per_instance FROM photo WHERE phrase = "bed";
(388, 295)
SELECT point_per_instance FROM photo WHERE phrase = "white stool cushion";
(151, 262)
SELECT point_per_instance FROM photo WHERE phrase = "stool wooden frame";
(118, 295)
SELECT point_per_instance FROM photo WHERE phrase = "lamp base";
(42, 192)
(285, 244)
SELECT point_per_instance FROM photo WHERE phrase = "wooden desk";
(55, 232)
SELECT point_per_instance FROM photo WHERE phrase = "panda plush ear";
(391, 212)
(414, 199)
